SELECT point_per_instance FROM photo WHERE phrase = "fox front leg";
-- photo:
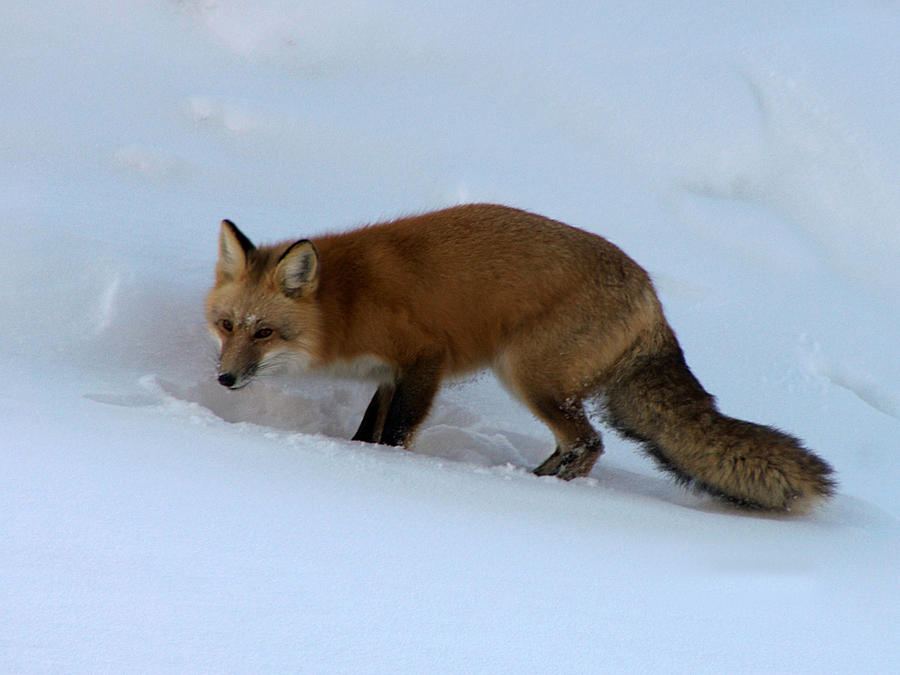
(413, 394)
(369, 430)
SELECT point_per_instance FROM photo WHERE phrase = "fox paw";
(569, 464)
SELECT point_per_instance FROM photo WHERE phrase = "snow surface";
(747, 154)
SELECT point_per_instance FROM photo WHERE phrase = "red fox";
(563, 317)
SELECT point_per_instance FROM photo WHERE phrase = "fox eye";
(262, 334)
(226, 324)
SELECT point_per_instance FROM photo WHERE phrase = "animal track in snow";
(865, 388)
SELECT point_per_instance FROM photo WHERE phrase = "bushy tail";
(653, 397)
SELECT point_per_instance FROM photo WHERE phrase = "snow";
(745, 154)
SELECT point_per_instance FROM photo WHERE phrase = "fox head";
(262, 308)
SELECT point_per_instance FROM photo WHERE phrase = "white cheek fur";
(214, 334)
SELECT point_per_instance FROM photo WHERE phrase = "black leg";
(373, 420)
(413, 395)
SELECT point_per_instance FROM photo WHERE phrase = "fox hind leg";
(578, 444)
(557, 403)
(571, 463)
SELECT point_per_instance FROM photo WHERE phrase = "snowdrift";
(152, 520)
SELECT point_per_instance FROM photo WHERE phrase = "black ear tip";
(245, 243)
(299, 242)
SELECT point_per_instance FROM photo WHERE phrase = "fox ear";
(298, 269)
(234, 247)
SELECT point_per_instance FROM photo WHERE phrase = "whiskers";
(283, 361)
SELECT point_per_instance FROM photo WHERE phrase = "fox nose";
(227, 379)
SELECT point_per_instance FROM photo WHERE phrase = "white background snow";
(747, 154)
